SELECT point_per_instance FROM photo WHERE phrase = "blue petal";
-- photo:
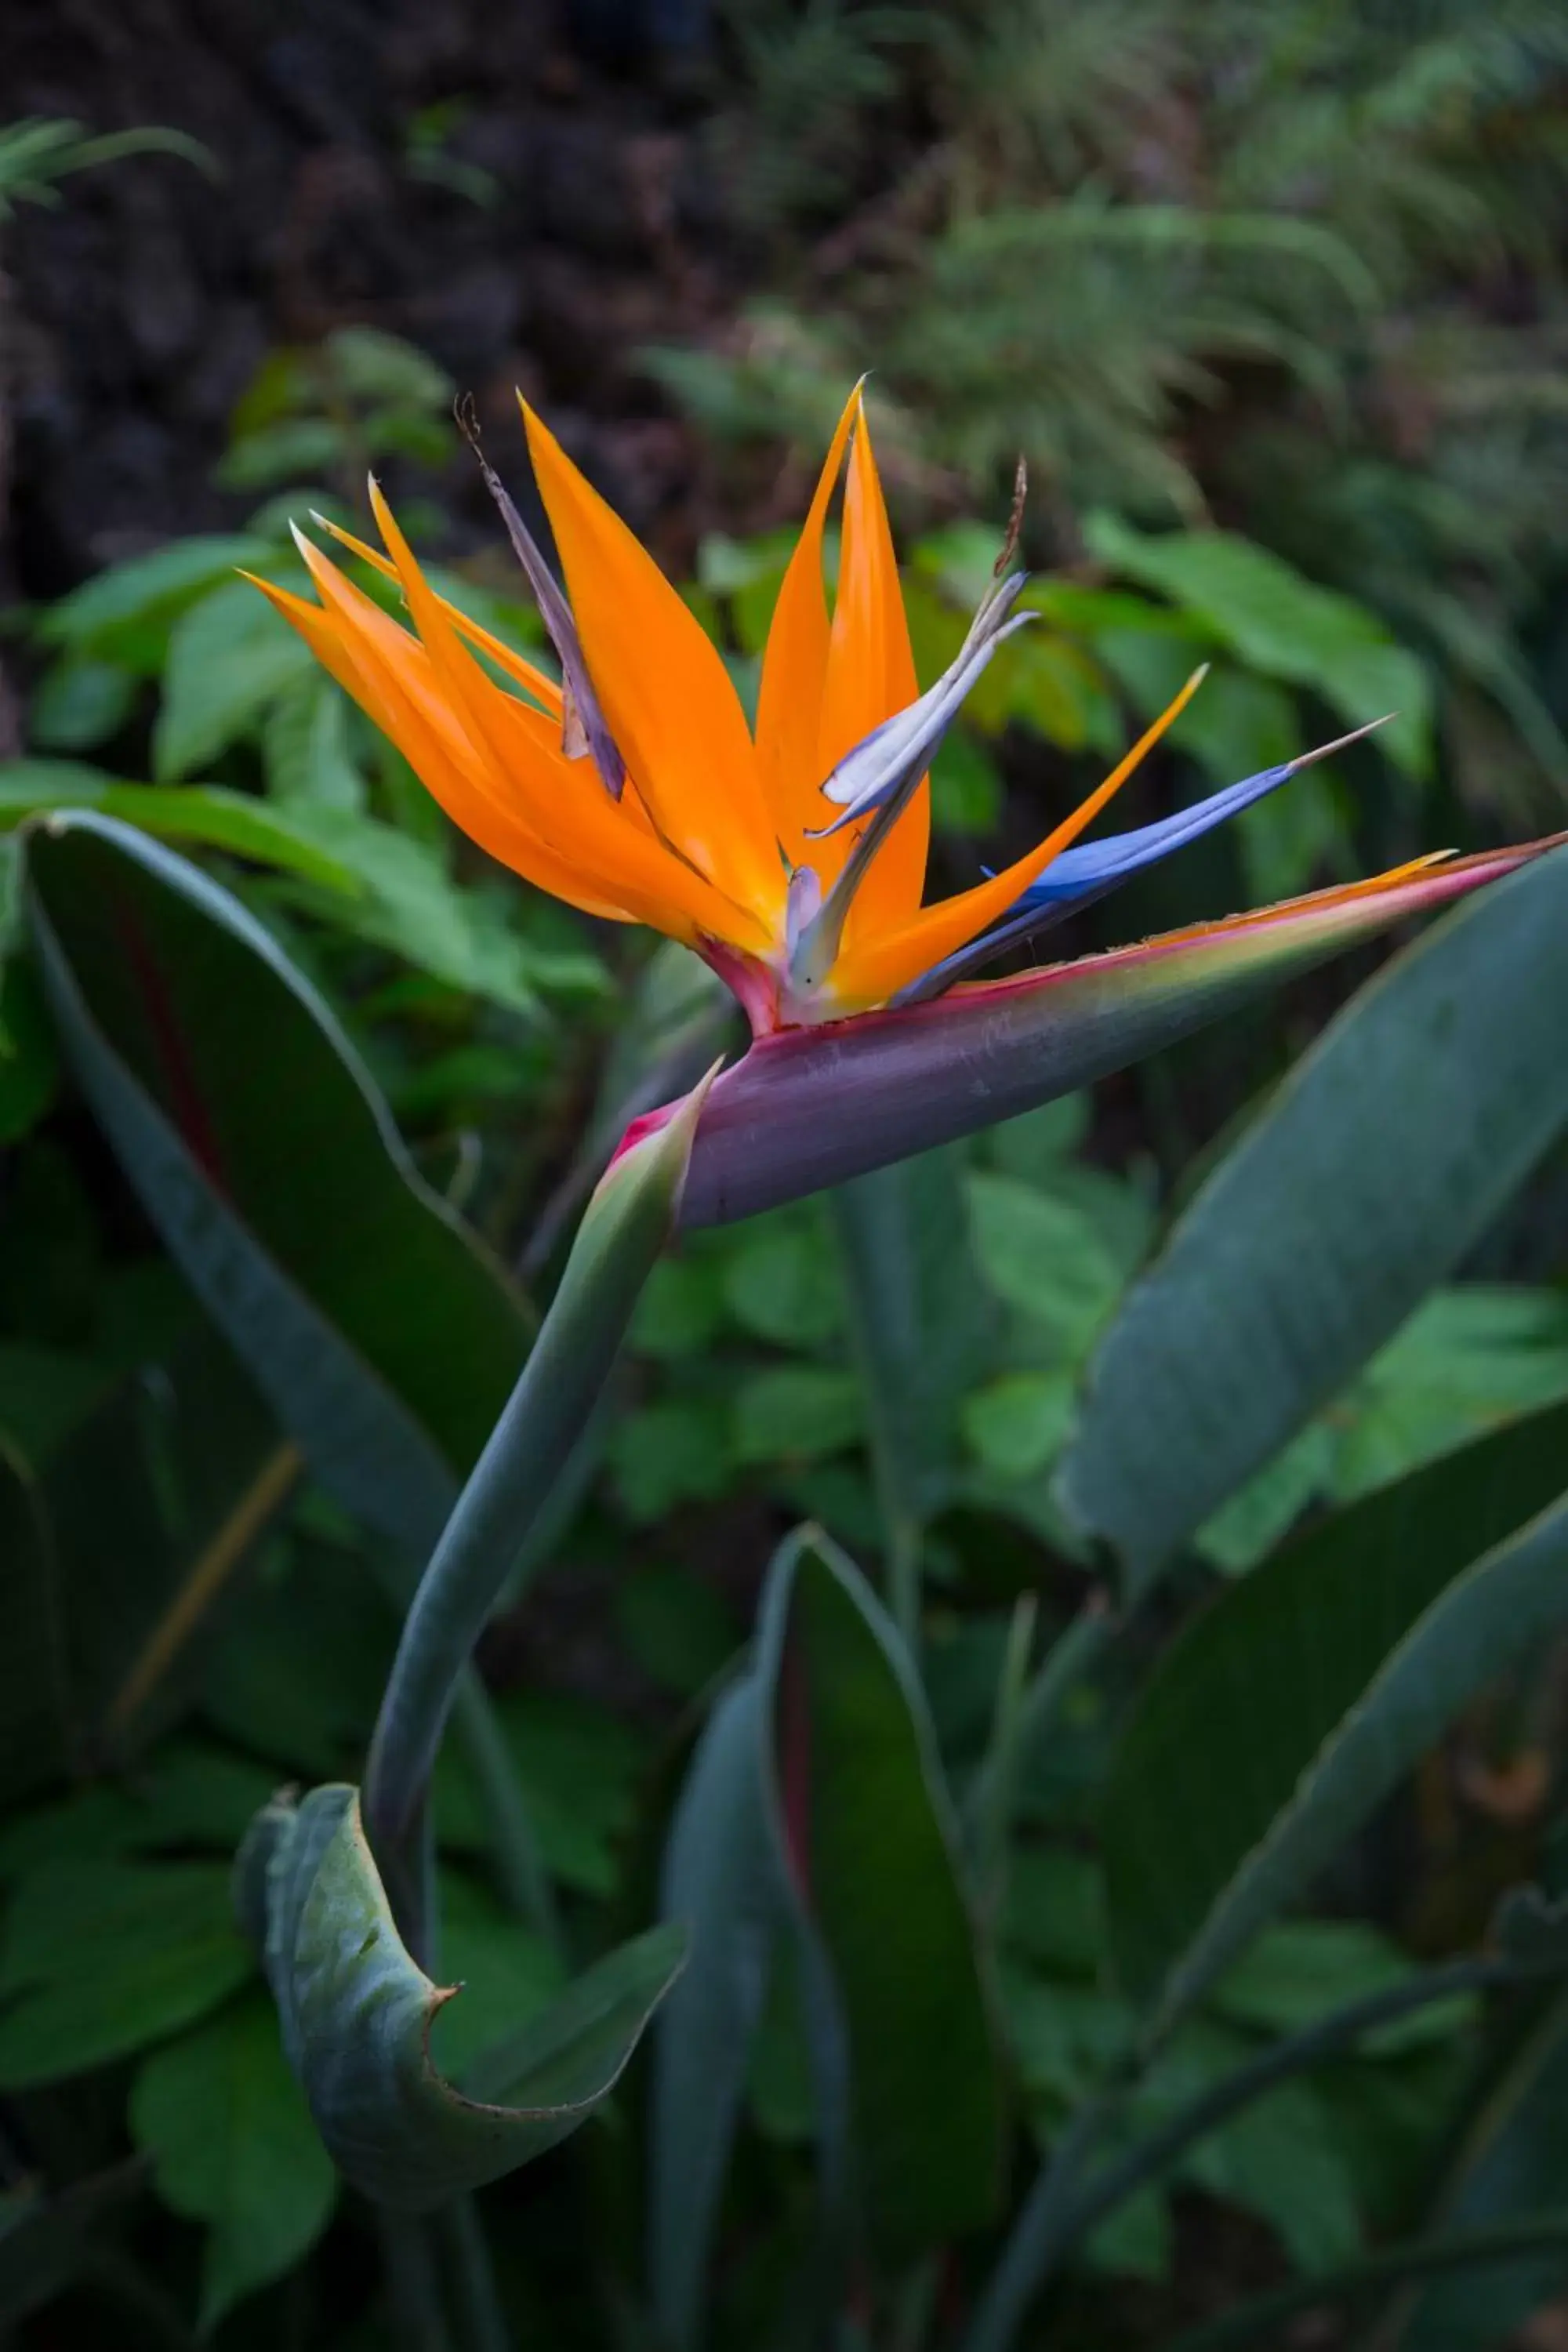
(1091, 865)
(1091, 868)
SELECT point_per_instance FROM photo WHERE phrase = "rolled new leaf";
(356, 2013)
(869, 1852)
(810, 1108)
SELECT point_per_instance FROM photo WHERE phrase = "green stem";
(1048, 2226)
(1420, 2258)
(471, 2279)
(1018, 1730)
(620, 1237)
(413, 2282)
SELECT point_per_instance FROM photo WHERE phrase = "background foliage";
(1271, 300)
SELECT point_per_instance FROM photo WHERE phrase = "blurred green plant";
(38, 152)
(1199, 261)
(1033, 1838)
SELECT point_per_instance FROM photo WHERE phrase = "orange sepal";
(794, 674)
(664, 690)
(545, 689)
(870, 675)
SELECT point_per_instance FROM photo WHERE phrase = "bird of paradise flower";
(792, 856)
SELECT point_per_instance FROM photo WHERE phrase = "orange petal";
(871, 675)
(451, 781)
(794, 671)
(576, 811)
(545, 690)
(872, 969)
(664, 690)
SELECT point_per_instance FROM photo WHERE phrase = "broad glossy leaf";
(101, 1958)
(870, 1853)
(1471, 1358)
(356, 2014)
(230, 656)
(383, 1337)
(1387, 1153)
(810, 1108)
(130, 1484)
(118, 610)
(1290, 1707)
(1282, 625)
(232, 2144)
(722, 1884)
(405, 902)
(204, 813)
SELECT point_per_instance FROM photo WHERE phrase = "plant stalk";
(1049, 2225)
(625, 1226)
(1419, 2258)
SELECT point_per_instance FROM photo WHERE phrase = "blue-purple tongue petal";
(1089, 865)
(583, 728)
(1091, 868)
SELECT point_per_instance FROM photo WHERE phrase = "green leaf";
(1298, 1970)
(78, 703)
(125, 1495)
(295, 449)
(405, 903)
(1281, 624)
(381, 1336)
(796, 1413)
(1043, 1256)
(1290, 1707)
(919, 1322)
(1466, 1361)
(1016, 1424)
(508, 1972)
(721, 1885)
(1512, 2159)
(30, 1064)
(146, 592)
(100, 1959)
(232, 2144)
(204, 813)
(1279, 2158)
(869, 1851)
(1386, 1153)
(783, 1284)
(356, 2014)
(676, 1626)
(47, 2239)
(229, 657)
(305, 744)
(669, 1454)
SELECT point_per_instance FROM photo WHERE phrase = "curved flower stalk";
(793, 857)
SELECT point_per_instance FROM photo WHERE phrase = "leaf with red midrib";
(864, 1825)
